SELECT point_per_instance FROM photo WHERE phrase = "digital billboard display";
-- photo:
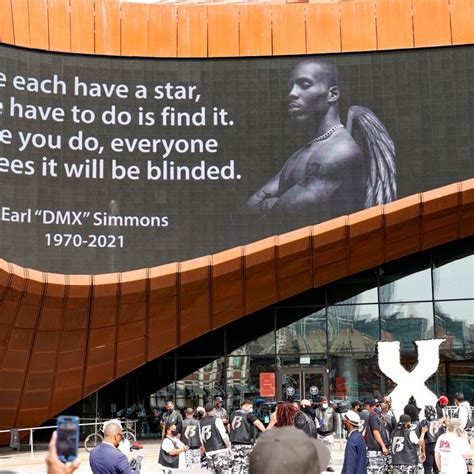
(113, 164)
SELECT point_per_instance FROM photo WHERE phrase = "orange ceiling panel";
(223, 30)
(82, 26)
(431, 23)
(21, 22)
(323, 28)
(394, 24)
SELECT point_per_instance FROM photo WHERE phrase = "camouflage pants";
(377, 463)
(329, 442)
(404, 469)
(240, 458)
(219, 463)
(193, 458)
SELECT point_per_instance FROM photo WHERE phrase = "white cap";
(352, 417)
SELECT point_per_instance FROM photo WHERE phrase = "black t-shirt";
(241, 427)
(173, 417)
(304, 421)
(375, 423)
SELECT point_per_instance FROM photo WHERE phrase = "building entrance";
(298, 383)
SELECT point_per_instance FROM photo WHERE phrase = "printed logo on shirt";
(398, 444)
(445, 446)
(206, 432)
(190, 431)
(236, 422)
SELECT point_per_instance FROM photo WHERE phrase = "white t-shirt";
(413, 437)
(452, 449)
(167, 446)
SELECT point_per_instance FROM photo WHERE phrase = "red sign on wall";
(267, 384)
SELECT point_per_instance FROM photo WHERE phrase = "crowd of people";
(378, 443)
(299, 439)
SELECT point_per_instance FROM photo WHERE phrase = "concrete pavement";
(14, 462)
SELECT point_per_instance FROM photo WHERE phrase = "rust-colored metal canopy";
(64, 336)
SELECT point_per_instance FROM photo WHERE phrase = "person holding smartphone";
(106, 458)
(54, 465)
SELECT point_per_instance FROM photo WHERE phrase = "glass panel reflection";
(262, 345)
(202, 385)
(455, 322)
(406, 322)
(353, 328)
(243, 380)
(354, 378)
(454, 279)
(461, 379)
(308, 335)
(399, 287)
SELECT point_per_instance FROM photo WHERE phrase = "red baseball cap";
(443, 400)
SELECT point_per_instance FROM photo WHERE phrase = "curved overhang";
(62, 337)
(223, 29)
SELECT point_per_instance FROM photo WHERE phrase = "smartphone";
(67, 443)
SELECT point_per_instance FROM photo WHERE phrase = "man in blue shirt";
(355, 455)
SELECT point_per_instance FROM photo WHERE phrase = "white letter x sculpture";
(410, 383)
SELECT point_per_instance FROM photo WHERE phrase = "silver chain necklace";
(327, 134)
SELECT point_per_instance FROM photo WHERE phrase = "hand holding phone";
(55, 466)
(67, 443)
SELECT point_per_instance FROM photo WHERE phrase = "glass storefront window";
(307, 335)
(413, 287)
(260, 346)
(354, 378)
(159, 398)
(243, 380)
(353, 329)
(406, 322)
(408, 279)
(202, 385)
(454, 279)
(455, 322)
(461, 378)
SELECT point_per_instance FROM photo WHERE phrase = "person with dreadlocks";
(285, 414)
(435, 428)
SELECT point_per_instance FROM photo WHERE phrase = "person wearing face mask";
(242, 422)
(172, 453)
(355, 455)
(106, 458)
(304, 419)
(377, 441)
(327, 420)
(356, 406)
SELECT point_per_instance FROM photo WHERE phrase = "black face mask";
(359, 409)
(174, 433)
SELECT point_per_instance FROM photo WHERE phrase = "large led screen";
(113, 164)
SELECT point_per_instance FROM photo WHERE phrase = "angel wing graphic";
(378, 148)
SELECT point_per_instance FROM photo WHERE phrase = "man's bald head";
(113, 433)
(325, 71)
(313, 90)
